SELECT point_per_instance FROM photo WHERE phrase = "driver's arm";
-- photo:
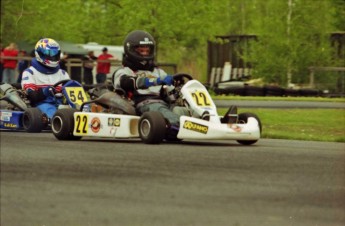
(35, 96)
(127, 80)
(132, 83)
(37, 93)
(34, 93)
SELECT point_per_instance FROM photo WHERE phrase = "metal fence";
(74, 66)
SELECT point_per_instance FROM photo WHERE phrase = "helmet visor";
(50, 54)
(144, 50)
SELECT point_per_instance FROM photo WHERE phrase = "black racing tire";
(152, 127)
(63, 124)
(274, 91)
(219, 91)
(33, 120)
(291, 92)
(309, 92)
(243, 118)
(254, 91)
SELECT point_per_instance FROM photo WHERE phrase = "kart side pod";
(194, 128)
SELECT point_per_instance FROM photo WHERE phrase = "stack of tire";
(247, 90)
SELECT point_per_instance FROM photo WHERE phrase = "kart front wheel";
(63, 124)
(33, 120)
(152, 127)
(243, 118)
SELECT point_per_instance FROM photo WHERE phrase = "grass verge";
(300, 124)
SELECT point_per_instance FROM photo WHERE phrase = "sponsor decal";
(9, 114)
(146, 41)
(117, 122)
(10, 125)
(110, 121)
(236, 128)
(95, 125)
(195, 127)
(114, 122)
(5, 116)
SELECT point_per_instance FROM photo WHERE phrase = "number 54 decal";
(201, 98)
(76, 95)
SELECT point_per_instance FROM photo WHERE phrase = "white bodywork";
(193, 128)
(126, 126)
(105, 125)
(197, 99)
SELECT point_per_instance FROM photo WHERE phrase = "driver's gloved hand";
(167, 80)
(49, 91)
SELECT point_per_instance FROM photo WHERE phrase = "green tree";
(292, 34)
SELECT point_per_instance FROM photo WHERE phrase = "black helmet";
(132, 58)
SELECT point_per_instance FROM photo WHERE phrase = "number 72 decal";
(201, 98)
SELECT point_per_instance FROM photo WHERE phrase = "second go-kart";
(18, 114)
(118, 119)
(13, 103)
(72, 94)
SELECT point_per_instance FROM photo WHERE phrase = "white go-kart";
(111, 115)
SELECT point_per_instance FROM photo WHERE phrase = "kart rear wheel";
(63, 124)
(33, 120)
(243, 118)
(152, 127)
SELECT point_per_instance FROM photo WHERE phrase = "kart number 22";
(81, 124)
(200, 98)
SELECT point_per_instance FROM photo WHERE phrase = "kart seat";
(114, 100)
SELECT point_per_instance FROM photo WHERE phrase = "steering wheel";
(181, 78)
(61, 82)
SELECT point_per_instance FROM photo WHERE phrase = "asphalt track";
(95, 182)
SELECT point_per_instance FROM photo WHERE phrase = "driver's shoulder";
(63, 72)
(123, 70)
(159, 71)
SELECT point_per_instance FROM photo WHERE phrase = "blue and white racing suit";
(37, 77)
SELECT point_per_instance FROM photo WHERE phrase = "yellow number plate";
(76, 94)
(81, 124)
(201, 98)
